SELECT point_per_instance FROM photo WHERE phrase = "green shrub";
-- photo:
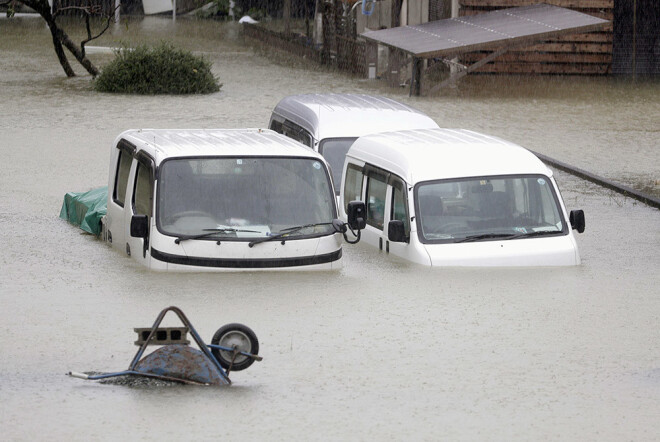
(162, 69)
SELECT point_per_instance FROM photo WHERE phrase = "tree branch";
(60, 37)
(108, 20)
(89, 11)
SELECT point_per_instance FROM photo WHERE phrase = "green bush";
(162, 69)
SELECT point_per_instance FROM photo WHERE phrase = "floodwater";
(381, 350)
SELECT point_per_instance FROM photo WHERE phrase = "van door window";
(400, 204)
(121, 178)
(144, 191)
(352, 185)
(376, 193)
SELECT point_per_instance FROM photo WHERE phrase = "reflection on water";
(379, 350)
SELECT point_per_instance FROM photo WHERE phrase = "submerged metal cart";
(234, 347)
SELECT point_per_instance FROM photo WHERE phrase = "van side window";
(400, 205)
(121, 179)
(144, 190)
(376, 191)
(276, 126)
(295, 132)
(352, 185)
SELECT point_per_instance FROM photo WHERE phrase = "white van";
(445, 197)
(193, 200)
(330, 123)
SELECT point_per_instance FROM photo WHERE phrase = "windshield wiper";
(537, 233)
(289, 230)
(487, 236)
(211, 232)
(508, 236)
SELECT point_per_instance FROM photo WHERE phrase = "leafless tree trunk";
(62, 40)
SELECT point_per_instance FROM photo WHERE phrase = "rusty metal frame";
(204, 348)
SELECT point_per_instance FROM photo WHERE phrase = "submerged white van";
(194, 200)
(445, 197)
(330, 123)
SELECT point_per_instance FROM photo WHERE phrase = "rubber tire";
(247, 333)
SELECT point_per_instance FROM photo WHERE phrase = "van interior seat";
(495, 205)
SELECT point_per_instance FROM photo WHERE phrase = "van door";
(398, 209)
(122, 159)
(376, 194)
(353, 185)
(141, 203)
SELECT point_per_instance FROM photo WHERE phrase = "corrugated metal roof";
(490, 30)
(163, 143)
(349, 115)
(429, 154)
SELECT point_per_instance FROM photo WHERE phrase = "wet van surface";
(330, 123)
(220, 200)
(451, 197)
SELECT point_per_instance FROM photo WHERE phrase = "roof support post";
(416, 77)
(371, 56)
(395, 62)
(287, 17)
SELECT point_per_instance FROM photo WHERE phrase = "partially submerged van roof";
(430, 154)
(164, 143)
(350, 115)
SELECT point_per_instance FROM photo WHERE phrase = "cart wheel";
(239, 336)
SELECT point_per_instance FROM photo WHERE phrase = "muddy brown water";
(381, 350)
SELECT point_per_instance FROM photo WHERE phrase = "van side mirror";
(576, 217)
(396, 231)
(139, 226)
(356, 213)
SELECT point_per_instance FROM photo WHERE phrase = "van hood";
(551, 251)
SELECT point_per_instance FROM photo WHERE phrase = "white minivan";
(330, 123)
(230, 199)
(453, 197)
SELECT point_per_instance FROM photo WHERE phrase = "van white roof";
(165, 143)
(350, 115)
(430, 154)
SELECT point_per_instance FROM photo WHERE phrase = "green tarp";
(85, 209)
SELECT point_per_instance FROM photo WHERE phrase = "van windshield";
(487, 208)
(244, 198)
(334, 151)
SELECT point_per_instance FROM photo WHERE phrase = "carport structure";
(497, 31)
